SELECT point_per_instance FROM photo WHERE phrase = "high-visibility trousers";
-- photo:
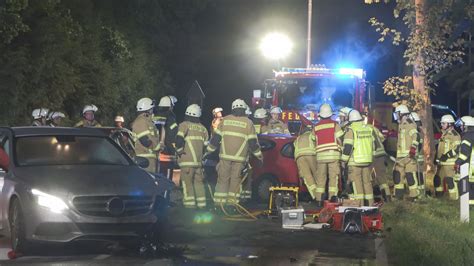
(229, 177)
(246, 185)
(379, 174)
(446, 173)
(327, 171)
(405, 176)
(361, 181)
(192, 179)
(307, 171)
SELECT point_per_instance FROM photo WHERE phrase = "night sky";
(229, 64)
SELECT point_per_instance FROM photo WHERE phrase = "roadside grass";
(427, 233)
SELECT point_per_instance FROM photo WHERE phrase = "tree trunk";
(419, 84)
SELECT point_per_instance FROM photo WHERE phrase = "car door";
(5, 144)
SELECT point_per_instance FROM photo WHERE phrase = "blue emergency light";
(358, 72)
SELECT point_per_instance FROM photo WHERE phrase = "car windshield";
(67, 150)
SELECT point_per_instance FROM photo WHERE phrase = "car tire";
(17, 229)
(261, 189)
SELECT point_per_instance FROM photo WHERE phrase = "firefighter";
(328, 153)
(235, 137)
(39, 117)
(165, 121)
(147, 142)
(55, 119)
(466, 151)
(379, 166)
(446, 155)
(357, 153)
(275, 125)
(420, 159)
(245, 191)
(88, 117)
(190, 147)
(344, 117)
(123, 136)
(405, 170)
(305, 157)
(217, 114)
(259, 120)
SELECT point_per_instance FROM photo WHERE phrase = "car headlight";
(53, 203)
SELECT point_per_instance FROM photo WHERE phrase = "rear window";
(67, 150)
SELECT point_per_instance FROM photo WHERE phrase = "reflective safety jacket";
(87, 123)
(235, 136)
(277, 127)
(408, 137)
(466, 152)
(167, 127)
(147, 138)
(448, 147)
(190, 143)
(421, 154)
(259, 129)
(358, 144)
(304, 145)
(379, 149)
(327, 145)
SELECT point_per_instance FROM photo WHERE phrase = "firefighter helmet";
(145, 104)
(402, 109)
(119, 119)
(275, 110)
(467, 121)
(40, 113)
(260, 113)
(90, 108)
(415, 117)
(344, 111)
(447, 119)
(325, 111)
(54, 115)
(239, 103)
(193, 110)
(354, 116)
(165, 101)
(217, 110)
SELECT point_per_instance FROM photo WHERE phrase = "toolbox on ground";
(292, 218)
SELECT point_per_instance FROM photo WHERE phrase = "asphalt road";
(183, 241)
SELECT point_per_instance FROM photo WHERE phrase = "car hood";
(68, 181)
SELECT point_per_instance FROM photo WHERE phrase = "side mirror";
(4, 160)
(142, 162)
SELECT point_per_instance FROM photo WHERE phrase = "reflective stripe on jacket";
(195, 135)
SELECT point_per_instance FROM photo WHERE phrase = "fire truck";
(300, 92)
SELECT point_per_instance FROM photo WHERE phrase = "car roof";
(46, 131)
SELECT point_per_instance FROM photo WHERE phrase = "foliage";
(427, 233)
(400, 89)
(65, 54)
(431, 46)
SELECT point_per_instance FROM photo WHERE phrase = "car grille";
(113, 206)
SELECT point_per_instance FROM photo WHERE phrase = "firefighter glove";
(412, 152)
